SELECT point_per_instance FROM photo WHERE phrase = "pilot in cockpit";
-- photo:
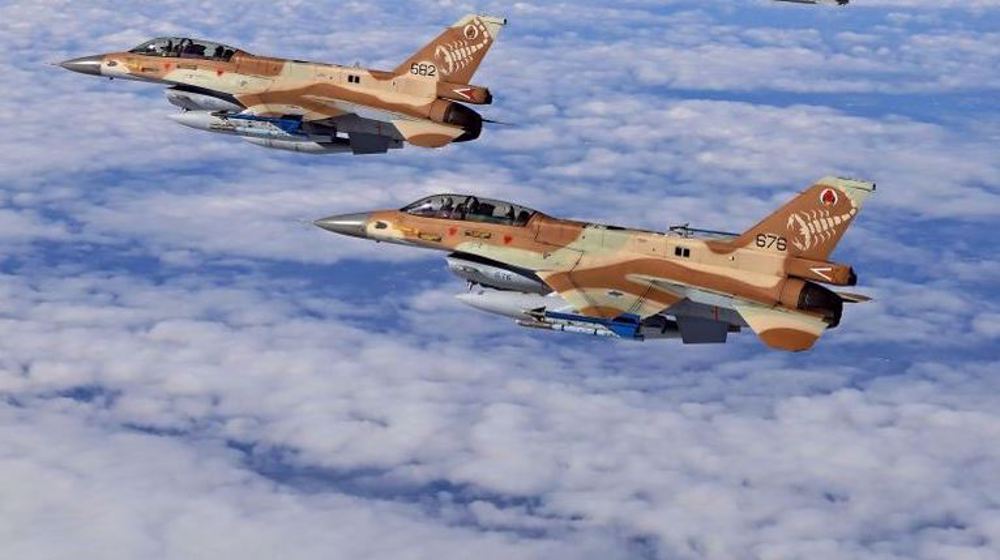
(472, 205)
(447, 208)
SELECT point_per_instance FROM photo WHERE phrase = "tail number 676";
(771, 241)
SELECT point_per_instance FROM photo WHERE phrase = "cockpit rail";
(472, 209)
(183, 47)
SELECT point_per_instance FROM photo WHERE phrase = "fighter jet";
(610, 281)
(314, 107)
(831, 2)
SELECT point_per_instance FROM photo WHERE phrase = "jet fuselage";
(769, 276)
(420, 102)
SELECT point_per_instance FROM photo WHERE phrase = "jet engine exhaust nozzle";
(456, 114)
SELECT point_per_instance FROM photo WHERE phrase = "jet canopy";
(471, 209)
(183, 47)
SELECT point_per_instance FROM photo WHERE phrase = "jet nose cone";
(85, 64)
(345, 224)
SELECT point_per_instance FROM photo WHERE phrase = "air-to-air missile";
(831, 2)
(692, 284)
(314, 107)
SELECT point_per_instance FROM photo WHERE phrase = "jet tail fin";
(812, 223)
(455, 55)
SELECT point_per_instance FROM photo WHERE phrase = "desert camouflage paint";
(769, 276)
(419, 102)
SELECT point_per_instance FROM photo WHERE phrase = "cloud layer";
(190, 370)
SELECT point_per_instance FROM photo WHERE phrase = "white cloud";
(74, 487)
(646, 163)
(731, 441)
(188, 370)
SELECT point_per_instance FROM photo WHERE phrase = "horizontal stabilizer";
(848, 297)
(782, 329)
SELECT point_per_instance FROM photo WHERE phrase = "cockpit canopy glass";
(183, 47)
(470, 209)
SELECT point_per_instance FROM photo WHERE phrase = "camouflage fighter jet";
(313, 107)
(696, 285)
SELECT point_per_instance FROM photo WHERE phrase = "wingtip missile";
(828, 2)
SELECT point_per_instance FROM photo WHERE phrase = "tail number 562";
(422, 69)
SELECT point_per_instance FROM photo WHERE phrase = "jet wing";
(371, 130)
(611, 290)
(777, 327)
(624, 290)
(330, 107)
(360, 119)
(623, 293)
(366, 135)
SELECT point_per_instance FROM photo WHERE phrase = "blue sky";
(190, 370)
